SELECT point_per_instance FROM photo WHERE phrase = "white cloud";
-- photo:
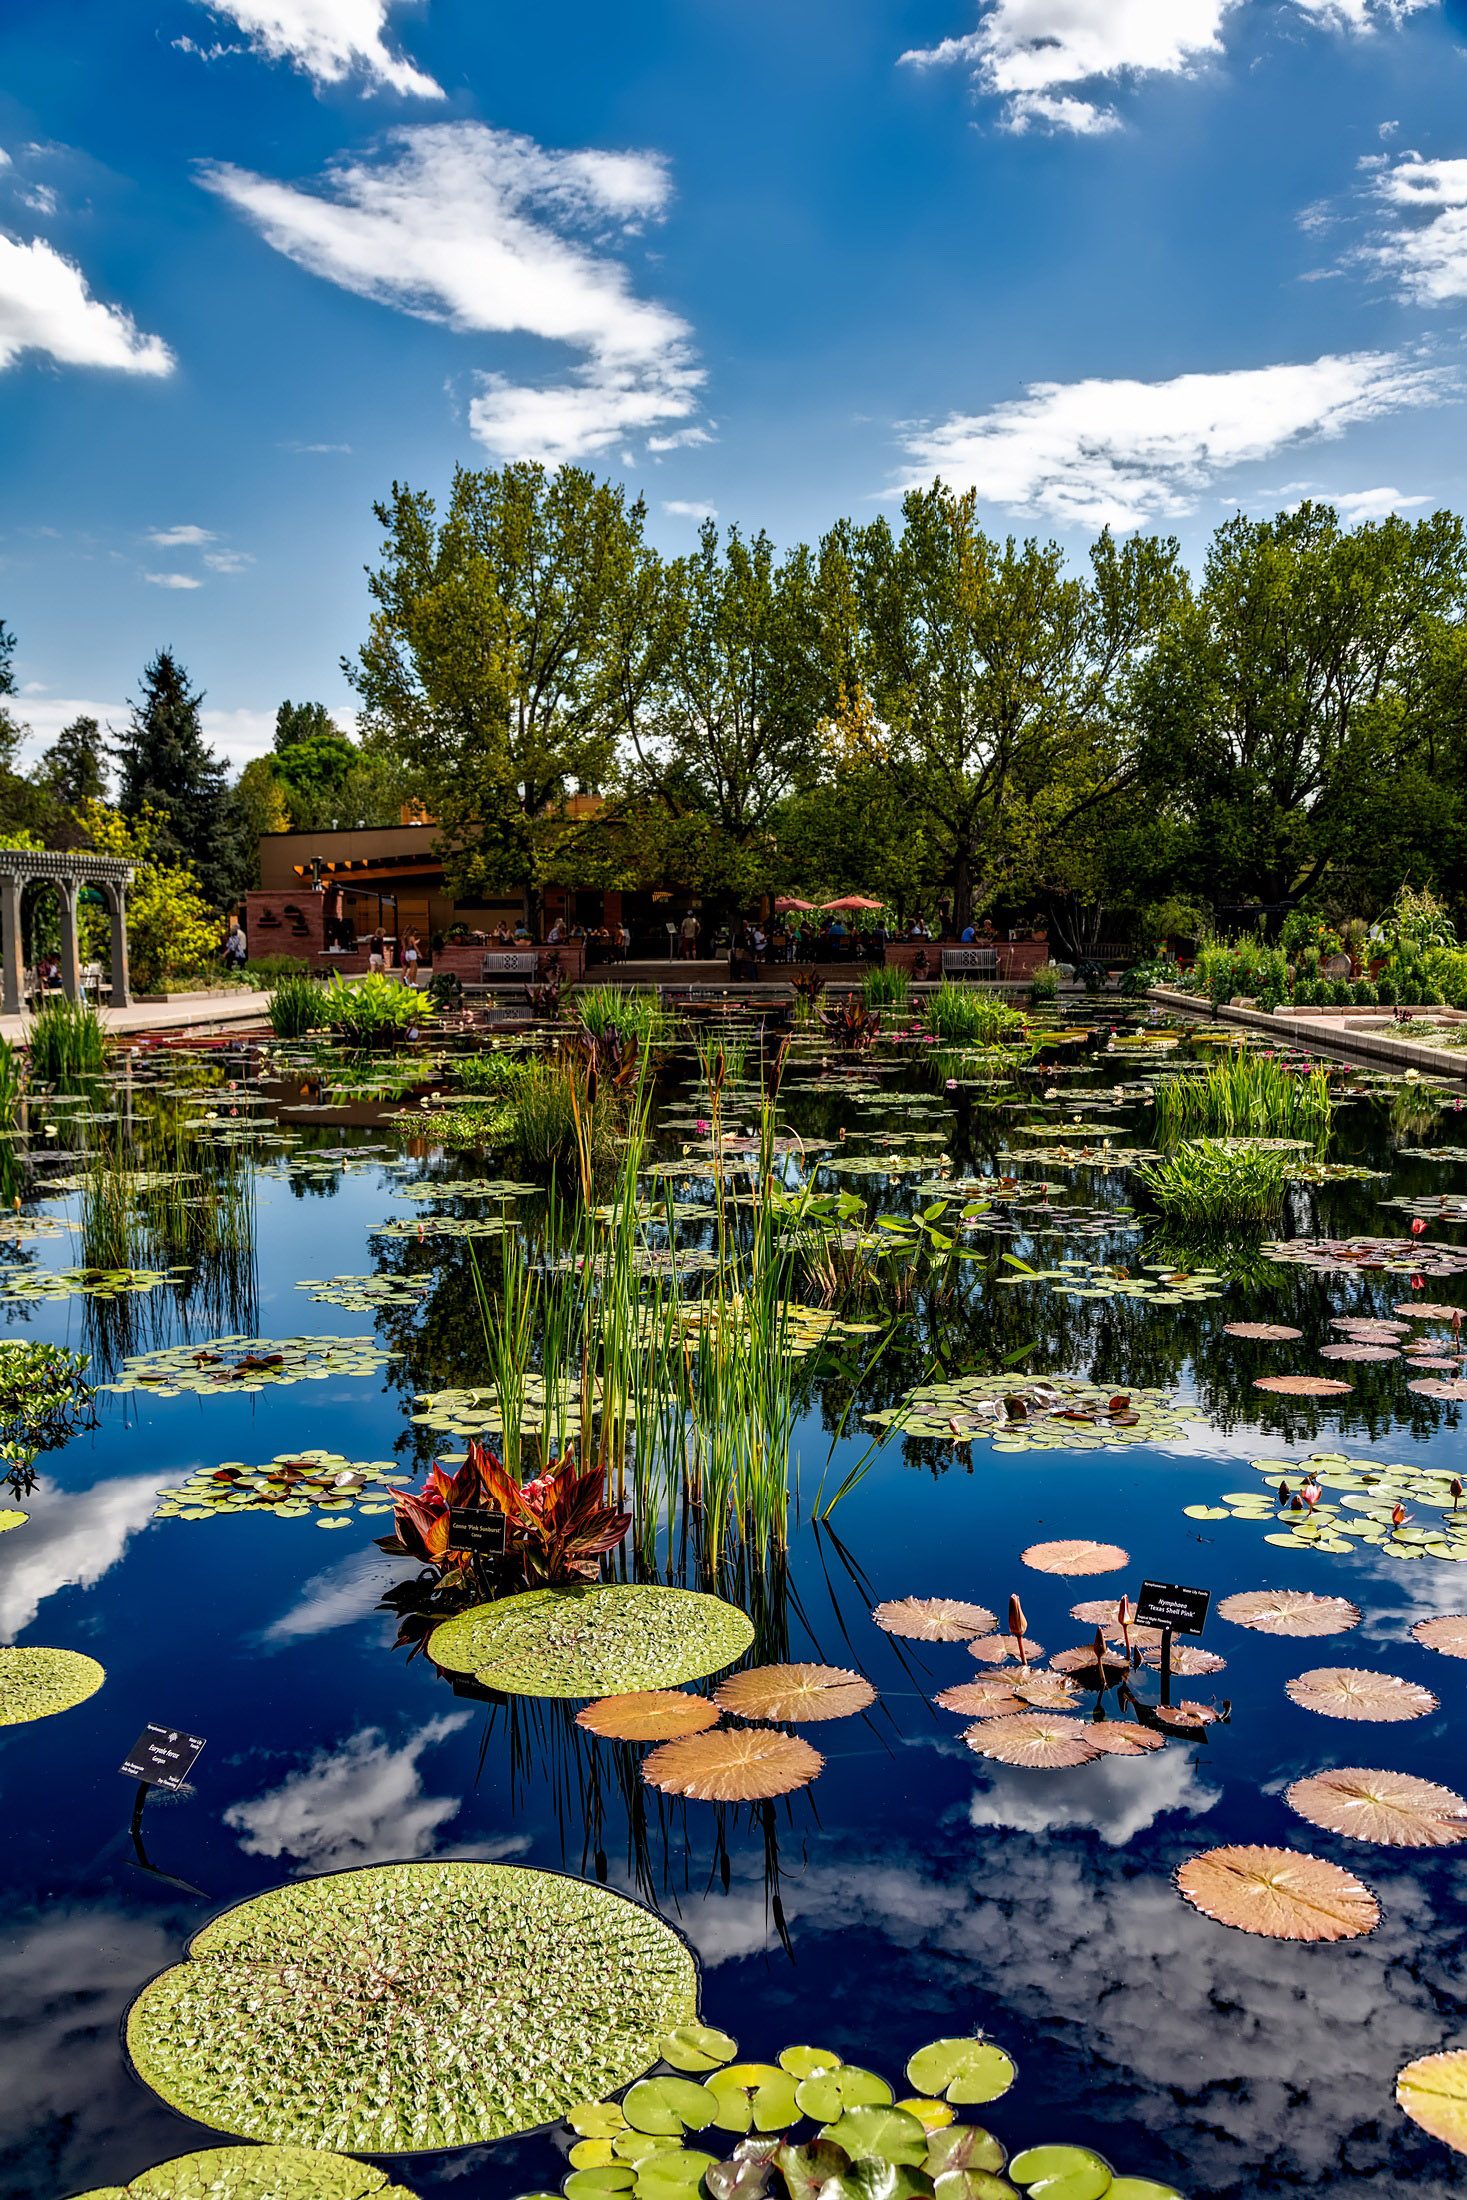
(362, 1803)
(1355, 505)
(237, 735)
(328, 40)
(1034, 54)
(339, 1597)
(491, 233)
(1427, 252)
(173, 580)
(683, 508)
(45, 305)
(40, 198)
(179, 538)
(1122, 452)
(1116, 1797)
(227, 561)
(73, 1537)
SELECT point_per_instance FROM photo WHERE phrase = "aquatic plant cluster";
(692, 1303)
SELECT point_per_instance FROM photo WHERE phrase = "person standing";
(377, 951)
(690, 930)
(410, 958)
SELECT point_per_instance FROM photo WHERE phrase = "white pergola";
(22, 867)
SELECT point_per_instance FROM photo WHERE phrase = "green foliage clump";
(266, 971)
(1386, 991)
(1243, 968)
(1248, 1095)
(43, 1396)
(367, 1010)
(626, 1010)
(963, 1015)
(490, 1071)
(1364, 994)
(65, 1041)
(887, 986)
(1044, 986)
(1142, 976)
(1206, 1185)
(1341, 993)
(297, 1006)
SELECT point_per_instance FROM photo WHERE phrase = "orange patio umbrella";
(853, 901)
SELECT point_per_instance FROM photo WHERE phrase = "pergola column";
(70, 947)
(117, 904)
(12, 996)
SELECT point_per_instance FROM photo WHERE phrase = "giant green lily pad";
(37, 1683)
(327, 2014)
(593, 1641)
(256, 2173)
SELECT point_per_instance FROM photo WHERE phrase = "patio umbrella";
(853, 901)
(786, 902)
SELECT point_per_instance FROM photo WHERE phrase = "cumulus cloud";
(1116, 1797)
(327, 40)
(73, 1537)
(1122, 453)
(1426, 250)
(362, 1803)
(1040, 56)
(685, 508)
(1355, 505)
(46, 306)
(227, 561)
(492, 234)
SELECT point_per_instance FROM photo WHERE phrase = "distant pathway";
(185, 1012)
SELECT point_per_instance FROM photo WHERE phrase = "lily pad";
(1280, 1894)
(933, 1619)
(287, 2020)
(37, 1683)
(1394, 1808)
(257, 2173)
(1076, 1556)
(795, 1693)
(1433, 2092)
(733, 1766)
(669, 2106)
(883, 2134)
(1352, 1692)
(593, 1641)
(965, 2071)
(698, 2047)
(222, 1365)
(651, 1715)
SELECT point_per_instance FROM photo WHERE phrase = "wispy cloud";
(173, 580)
(1426, 249)
(73, 1537)
(1121, 453)
(491, 233)
(327, 40)
(1356, 505)
(362, 1803)
(179, 538)
(46, 306)
(227, 561)
(1048, 59)
(685, 508)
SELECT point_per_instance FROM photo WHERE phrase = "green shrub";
(65, 1040)
(1206, 1185)
(1408, 993)
(963, 1015)
(266, 971)
(1433, 997)
(1142, 976)
(492, 1070)
(297, 1005)
(1386, 991)
(1044, 986)
(370, 1009)
(1446, 967)
(1363, 993)
(1341, 993)
(887, 987)
(1306, 993)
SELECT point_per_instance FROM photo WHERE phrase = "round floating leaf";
(1076, 1556)
(669, 2106)
(1279, 1893)
(1290, 1612)
(1003, 1650)
(1187, 1660)
(887, 2134)
(675, 2175)
(592, 2154)
(933, 1619)
(967, 2071)
(650, 1715)
(828, 2092)
(1263, 1332)
(963, 2147)
(1390, 1807)
(1361, 1350)
(983, 1699)
(1034, 1738)
(775, 2103)
(931, 2115)
(732, 1766)
(797, 1693)
(35, 1684)
(804, 2062)
(639, 2146)
(1447, 1634)
(1433, 2092)
(1113, 1739)
(698, 2047)
(593, 1641)
(1047, 1691)
(1302, 1386)
(285, 2021)
(808, 2170)
(1350, 1692)
(972, 2184)
(596, 2119)
(258, 2173)
(587, 2184)
(11, 1519)
(1436, 1386)
(1065, 2173)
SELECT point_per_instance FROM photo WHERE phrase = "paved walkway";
(184, 1012)
(1334, 1031)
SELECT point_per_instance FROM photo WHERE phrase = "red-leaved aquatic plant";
(556, 1526)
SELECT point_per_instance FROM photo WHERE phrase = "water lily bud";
(1018, 1625)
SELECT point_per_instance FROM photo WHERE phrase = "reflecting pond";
(915, 1888)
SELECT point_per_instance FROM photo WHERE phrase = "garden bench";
(970, 962)
(497, 967)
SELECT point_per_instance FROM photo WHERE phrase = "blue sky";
(1144, 261)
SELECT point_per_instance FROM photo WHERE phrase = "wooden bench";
(497, 967)
(970, 962)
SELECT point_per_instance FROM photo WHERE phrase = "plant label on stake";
(162, 1756)
(478, 1530)
(1174, 1609)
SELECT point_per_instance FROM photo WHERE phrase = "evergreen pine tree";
(73, 768)
(168, 767)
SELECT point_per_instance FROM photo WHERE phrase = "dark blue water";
(912, 1890)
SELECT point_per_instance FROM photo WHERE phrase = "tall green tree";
(296, 722)
(74, 768)
(487, 672)
(997, 676)
(1307, 672)
(168, 768)
(28, 816)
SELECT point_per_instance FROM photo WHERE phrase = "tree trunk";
(962, 893)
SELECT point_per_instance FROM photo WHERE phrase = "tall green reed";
(65, 1041)
(1248, 1095)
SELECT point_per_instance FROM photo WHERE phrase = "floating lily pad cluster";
(467, 1187)
(256, 2173)
(28, 1229)
(476, 1412)
(83, 1283)
(1063, 1414)
(450, 1226)
(225, 1364)
(1369, 1256)
(293, 1486)
(1448, 1207)
(812, 2124)
(1356, 1507)
(1103, 1156)
(593, 1641)
(1158, 1283)
(364, 1294)
(407, 2007)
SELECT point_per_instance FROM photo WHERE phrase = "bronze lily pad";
(1351, 1692)
(1290, 1612)
(1302, 1386)
(1036, 1739)
(1394, 1808)
(934, 1619)
(1076, 1555)
(648, 1715)
(1448, 1633)
(795, 1693)
(733, 1765)
(1278, 1893)
(1263, 1332)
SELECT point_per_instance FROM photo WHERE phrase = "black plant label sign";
(477, 1530)
(163, 1756)
(1169, 1604)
